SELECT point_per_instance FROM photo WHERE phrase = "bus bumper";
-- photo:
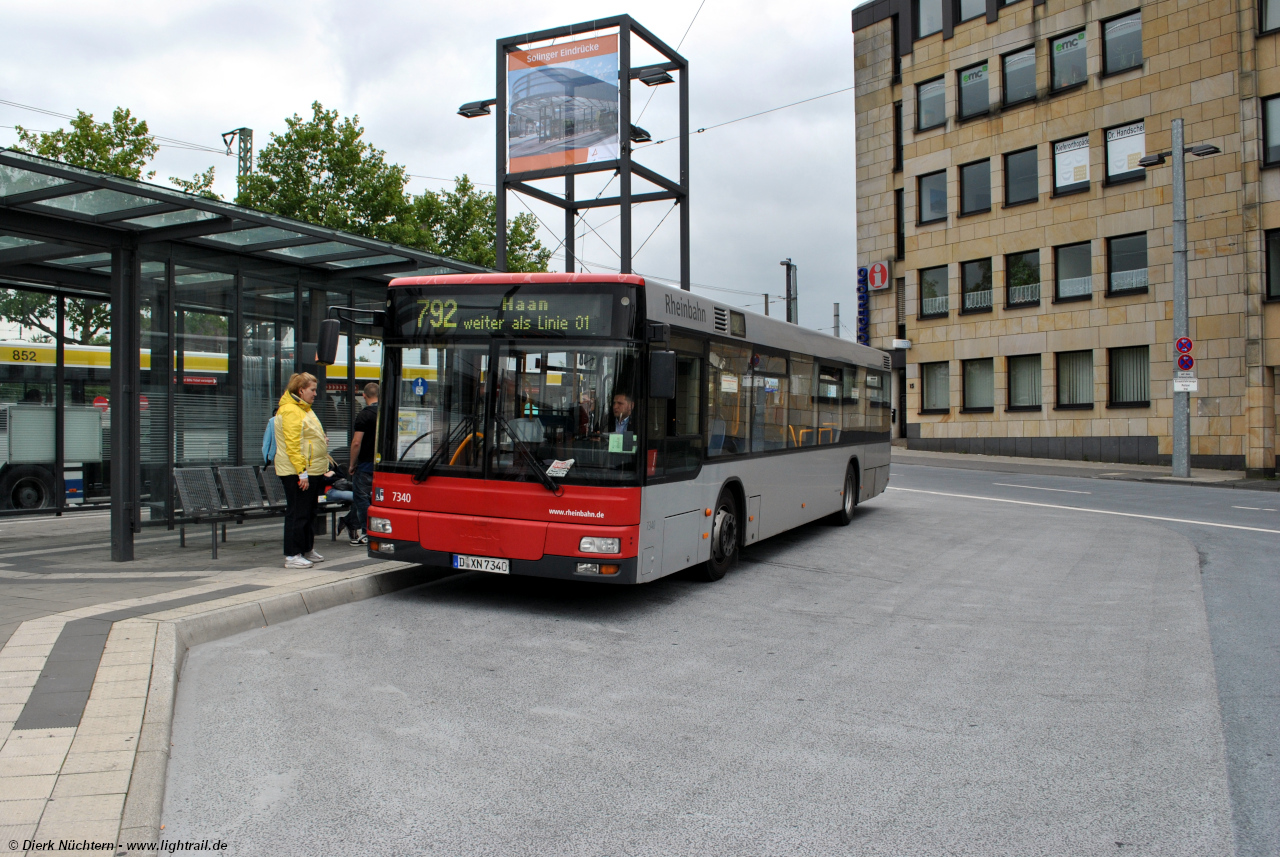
(558, 567)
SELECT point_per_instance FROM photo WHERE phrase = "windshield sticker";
(559, 468)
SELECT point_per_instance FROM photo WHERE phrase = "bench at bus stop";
(235, 494)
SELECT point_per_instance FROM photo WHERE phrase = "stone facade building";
(1031, 255)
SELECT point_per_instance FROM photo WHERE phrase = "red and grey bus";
(605, 428)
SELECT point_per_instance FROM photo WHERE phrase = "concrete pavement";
(946, 675)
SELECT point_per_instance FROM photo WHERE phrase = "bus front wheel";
(724, 537)
(848, 497)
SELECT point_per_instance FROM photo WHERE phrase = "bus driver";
(622, 405)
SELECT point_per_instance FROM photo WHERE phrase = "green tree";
(121, 147)
(322, 171)
(86, 320)
(461, 224)
(201, 184)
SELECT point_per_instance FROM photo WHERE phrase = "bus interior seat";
(716, 445)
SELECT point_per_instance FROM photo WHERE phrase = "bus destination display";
(514, 315)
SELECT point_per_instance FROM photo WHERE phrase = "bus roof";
(504, 279)
(686, 310)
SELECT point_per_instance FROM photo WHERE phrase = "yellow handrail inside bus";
(466, 440)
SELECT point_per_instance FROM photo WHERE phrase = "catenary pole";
(1181, 401)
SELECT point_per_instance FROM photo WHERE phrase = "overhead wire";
(653, 91)
(168, 142)
(749, 116)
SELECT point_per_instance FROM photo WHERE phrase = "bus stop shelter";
(143, 329)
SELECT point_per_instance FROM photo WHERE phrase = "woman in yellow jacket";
(302, 460)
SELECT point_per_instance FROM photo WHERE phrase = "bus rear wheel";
(724, 537)
(26, 487)
(848, 498)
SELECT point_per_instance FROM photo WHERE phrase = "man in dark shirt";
(362, 446)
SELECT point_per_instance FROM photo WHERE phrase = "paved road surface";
(946, 675)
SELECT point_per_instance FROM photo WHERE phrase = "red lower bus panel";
(467, 534)
(494, 498)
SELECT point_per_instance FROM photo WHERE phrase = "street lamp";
(476, 109)
(1181, 401)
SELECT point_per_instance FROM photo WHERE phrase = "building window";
(1270, 10)
(975, 286)
(1020, 76)
(900, 224)
(1273, 263)
(975, 187)
(933, 292)
(979, 385)
(928, 17)
(1122, 43)
(1021, 177)
(1075, 379)
(1073, 268)
(1271, 127)
(933, 197)
(1024, 382)
(1130, 377)
(931, 104)
(973, 91)
(970, 9)
(1022, 278)
(935, 383)
(1125, 147)
(1067, 56)
(1071, 165)
(1127, 264)
(897, 136)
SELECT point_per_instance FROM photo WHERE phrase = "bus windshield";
(497, 409)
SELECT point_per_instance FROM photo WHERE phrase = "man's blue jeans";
(362, 483)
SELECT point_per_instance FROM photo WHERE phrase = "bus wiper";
(529, 458)
(430, 464)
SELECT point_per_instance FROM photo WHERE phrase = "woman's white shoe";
(297, 561)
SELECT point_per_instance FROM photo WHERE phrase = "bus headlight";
(595, 544)
(379, 525)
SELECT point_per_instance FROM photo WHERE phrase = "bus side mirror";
(327, 344)
(662, 374)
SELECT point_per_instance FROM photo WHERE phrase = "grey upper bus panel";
(682, 309)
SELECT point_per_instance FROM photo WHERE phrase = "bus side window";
(853, 404)
(728, 400)
(675, 444)
(878, 405)
(828, 405)
(800, 411)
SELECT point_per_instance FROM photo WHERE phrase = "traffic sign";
(878, 276)
(419, 386)
(1186, 385)
(101, 403)
(1185, 362)
(143, 402)
(1184, 345)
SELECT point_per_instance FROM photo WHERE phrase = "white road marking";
(1082, 509)
(1038, 488)
(1253, 508)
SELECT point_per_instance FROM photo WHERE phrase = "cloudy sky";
(763, 189)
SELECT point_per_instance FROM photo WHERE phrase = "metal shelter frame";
(624, 165)
(78, 232)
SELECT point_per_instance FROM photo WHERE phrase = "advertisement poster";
(1071, 162)
(1125, 146)
(413, 434)
(562, 104)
